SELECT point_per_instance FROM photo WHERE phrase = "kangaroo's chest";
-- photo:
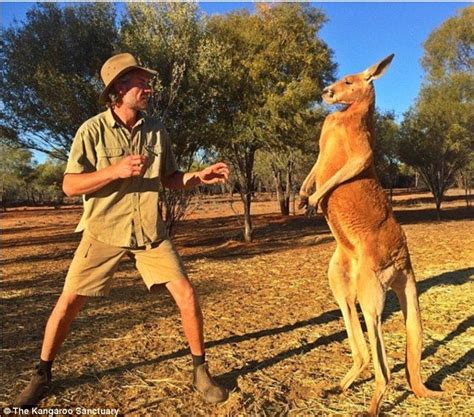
(342, 138)
(333, 154)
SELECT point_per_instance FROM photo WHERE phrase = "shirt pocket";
(155, 155)
(109, 156)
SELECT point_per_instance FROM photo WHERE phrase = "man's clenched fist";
(130, 166)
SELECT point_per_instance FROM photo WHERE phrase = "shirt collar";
(110, 118)
(112, 122)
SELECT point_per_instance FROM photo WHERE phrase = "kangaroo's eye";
(347, 82)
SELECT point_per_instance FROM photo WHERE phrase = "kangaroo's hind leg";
(405, 287)
(343, 287)
(371, 295)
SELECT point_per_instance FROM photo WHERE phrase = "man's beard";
(140, 105)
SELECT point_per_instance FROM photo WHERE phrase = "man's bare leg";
(59, 322)
(191, 316)
(186, 298)
(57, 328)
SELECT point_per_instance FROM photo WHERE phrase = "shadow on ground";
(275, 233)
(229, 379)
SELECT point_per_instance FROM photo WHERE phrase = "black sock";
(45, 366)
(198, 360)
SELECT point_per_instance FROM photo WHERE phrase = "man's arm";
(89, 182)
(217, 173)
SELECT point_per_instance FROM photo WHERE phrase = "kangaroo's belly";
(361, 219)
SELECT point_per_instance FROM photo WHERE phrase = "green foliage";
(283, 167)
(50, 72)
(49, 180)
(441, 124)
(171, 37)
(449, 49)
(282, 172)
(51, 173)
(437, 134)
(278, 66)
(386, 148)
(227, 85)
(22, 181)
(16, 172)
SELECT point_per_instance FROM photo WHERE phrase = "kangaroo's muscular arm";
(354, 166)
(308, 183)
(310, 179)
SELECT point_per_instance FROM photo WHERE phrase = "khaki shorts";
(95, 263)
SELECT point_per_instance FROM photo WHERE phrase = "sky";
(359, 34)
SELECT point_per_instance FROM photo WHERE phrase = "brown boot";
(210, 390)
(35, 390)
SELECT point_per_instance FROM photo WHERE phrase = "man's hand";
(130, 166)
(89, 182)
(217, 173)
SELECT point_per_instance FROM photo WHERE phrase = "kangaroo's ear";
(378, 69)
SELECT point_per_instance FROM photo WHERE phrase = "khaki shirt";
(125, 211)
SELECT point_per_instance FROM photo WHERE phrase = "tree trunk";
(248, 228)
(289, 169)
(466, 183)
(434, 180)
(245, 165)
(285, 206)
(438, 208)
(293, 205)
(438, 197)
(282, 199)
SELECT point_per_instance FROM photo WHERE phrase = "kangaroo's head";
(358, 87)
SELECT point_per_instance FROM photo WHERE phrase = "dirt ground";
(274, 333)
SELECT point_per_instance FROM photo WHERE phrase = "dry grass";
(274, 332)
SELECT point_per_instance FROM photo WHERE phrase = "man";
(116, 162)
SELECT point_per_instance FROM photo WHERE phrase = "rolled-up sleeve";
(82, 157)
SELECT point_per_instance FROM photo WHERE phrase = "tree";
(16, 171)
(283, 166)
(449, 49)
(50, 73)
(291, 162)
(172, 38)
(386, 149)
(465, 176)
(281, 172)
(49, 181)
(278, 67)
(437, 134)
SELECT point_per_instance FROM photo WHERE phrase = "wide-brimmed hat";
(116, 66)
